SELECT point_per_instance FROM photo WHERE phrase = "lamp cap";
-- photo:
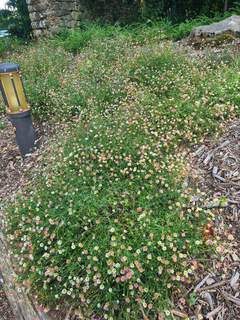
(9, 67)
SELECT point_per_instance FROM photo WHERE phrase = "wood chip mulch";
(5, 309)
(8, 156)
(217, 53)
(215, 170)
(15, 175)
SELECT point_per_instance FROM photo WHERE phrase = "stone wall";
(49, 16)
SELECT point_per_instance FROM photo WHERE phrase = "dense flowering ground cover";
(109, 225)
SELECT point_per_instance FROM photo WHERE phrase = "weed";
(109, 224)
(9, 44)
(2, 125)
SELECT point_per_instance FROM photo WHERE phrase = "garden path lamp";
(18, 110)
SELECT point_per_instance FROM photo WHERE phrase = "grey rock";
(229, 25)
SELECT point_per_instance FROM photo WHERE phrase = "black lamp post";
(18, 110)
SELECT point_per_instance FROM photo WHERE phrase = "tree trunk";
(225, 5)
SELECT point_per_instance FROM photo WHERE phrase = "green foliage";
(235, 9)
(151, 31)
(179, 10)
(108, 224)
(192, 299)
(165, 29)
(183, 29)
(123, 12)
(9, 44)
(113, 11)
(2, 125)
(18, 22)
(4, 16)
(129, 11)
(75, 40)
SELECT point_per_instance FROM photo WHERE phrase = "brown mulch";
(218, 166)
(5, 309)
(8, 173)
(215, 171)
(15, 175)
(216, 52)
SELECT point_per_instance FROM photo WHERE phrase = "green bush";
(4, 16)
(19, 23)
(8, 45)
(108, 224)
(180, 10)
(75, 40)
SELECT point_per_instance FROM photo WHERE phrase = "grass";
(2, 125)
(150, 31)
(9, 44)
(109, 225)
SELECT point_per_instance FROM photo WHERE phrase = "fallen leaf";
(208, 231)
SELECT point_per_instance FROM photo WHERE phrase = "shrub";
(19, 23)
(108, 223)
(75, 40)
(8, 45)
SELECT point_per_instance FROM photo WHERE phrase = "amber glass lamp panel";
(15, 97)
